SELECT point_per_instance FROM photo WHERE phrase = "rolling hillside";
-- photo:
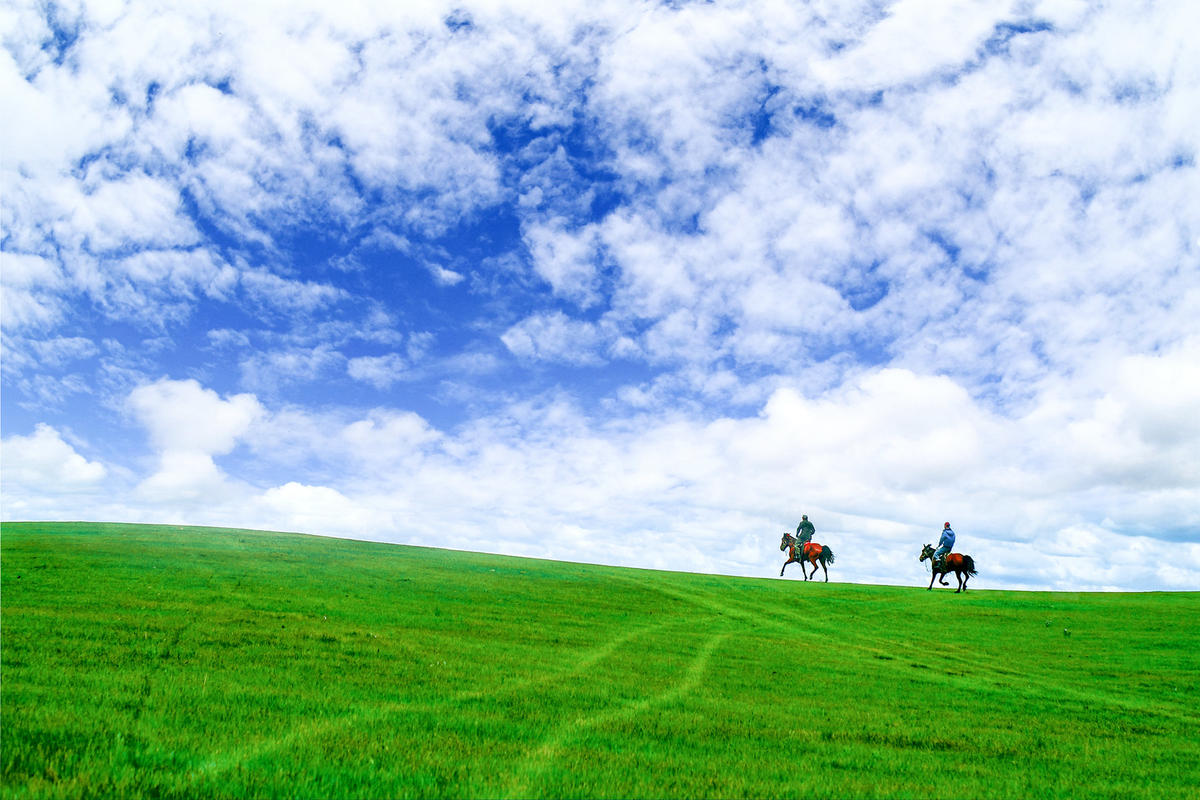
(184, 662)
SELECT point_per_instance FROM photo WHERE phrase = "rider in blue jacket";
(945, 544)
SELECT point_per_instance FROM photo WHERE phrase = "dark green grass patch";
(156, 661)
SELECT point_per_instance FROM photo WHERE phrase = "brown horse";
(810, 552)
(962, 566)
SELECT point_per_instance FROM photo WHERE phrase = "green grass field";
(198, 662)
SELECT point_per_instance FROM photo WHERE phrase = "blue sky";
(629, 283)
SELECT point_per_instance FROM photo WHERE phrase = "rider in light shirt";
(945, 544)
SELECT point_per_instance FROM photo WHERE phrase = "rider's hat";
(947, 525)
(805, 516)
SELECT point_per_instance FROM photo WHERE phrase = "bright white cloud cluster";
(44, 459)
(188, 425)
(616, 282)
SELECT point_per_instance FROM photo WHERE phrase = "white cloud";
(226, 338)
(295, 506)
(289, 294)
(184, 416)
(1135, 431)
(679, 76)
(1161, 395)
(130, 211)
(186, 478)
(445, 277)
(188, 425)
(379, 371)
(555, 337)
(566, 260)
(271, 370)
(47, 371)
(63, 116)
(157, 286)
(388, 436)
(43, 459)
(27, 291)
(201, 116)
(28, 271)
(655, 277)
(27, 354)
(914, 39)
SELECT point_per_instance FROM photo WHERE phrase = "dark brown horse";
(962, 566)
(809, 553)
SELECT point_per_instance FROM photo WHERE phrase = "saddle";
(945, 562)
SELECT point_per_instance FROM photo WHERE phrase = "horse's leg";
(962, 580)
(932, 578)
(781, 569)
(824, 568)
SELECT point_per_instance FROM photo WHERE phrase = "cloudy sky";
(630, 283)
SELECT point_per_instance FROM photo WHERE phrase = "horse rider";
(945, 545)
(804, 531)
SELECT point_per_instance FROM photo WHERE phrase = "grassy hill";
(186, 662)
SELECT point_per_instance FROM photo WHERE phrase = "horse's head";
(786, 541)
(927, 552)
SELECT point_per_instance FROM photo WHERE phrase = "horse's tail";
(969, 566)
(826, 554)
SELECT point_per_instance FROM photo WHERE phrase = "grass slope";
(185, 662)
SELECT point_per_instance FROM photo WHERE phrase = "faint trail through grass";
(525, 776)
(587, 659)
